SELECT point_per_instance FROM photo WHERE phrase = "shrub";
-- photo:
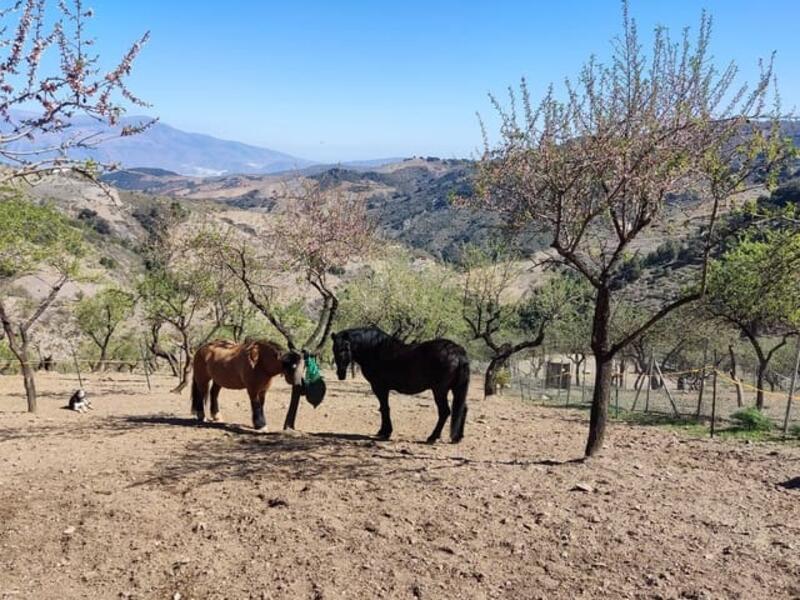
(751, 419)
(95, 221)
(108, 262)
(502, 378)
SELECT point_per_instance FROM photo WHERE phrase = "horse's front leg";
(385, 432)
(257, 405)
(215, 388)
(199, 392)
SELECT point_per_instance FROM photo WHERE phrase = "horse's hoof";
(431, 440)
(216, 418)
(262, 429)
(383, 436)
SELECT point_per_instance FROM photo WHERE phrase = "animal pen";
(704, 393)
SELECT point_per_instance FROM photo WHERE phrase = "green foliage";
(108, 262)
(629, 271)
(751, 419)
(502, 378)
(664, 254)
(32, 235)
(415, 301)
(757, 282)
(293, 316)
(94, 221)
(8, 362)
(567, 301)
(99, 315)
(794, 430)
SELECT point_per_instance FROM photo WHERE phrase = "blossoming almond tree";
(38, 101)
(320, 231)
(593, 168)
(40, 98)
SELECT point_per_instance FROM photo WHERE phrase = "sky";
(335, 81)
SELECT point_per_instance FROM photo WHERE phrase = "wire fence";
(704, 393)
(84, 372)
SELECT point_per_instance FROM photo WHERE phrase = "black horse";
(389, 364)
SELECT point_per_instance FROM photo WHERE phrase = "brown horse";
(250, 366)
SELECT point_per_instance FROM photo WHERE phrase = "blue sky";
(335, 81)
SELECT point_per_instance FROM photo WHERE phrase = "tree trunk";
(187, 366)
(579, 360)
(600, 398)
(157, 351)
(737, 383)
(101, 361)
(762, 371)
(27, 376)
(489, 381)
(603, 374)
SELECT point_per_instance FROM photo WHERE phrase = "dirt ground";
(133, 500)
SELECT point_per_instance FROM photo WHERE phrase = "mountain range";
(162, 146)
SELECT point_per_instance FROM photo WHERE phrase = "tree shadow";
(192, 423)
(791, 484)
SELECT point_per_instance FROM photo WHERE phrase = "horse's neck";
(384, 347)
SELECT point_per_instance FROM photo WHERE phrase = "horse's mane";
(372, 335)
(275, 346)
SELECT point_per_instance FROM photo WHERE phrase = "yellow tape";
(747, 385)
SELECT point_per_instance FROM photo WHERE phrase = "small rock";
(176, 596)
(69, 530)
(582, 487)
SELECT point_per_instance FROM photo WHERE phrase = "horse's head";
(342, 353)
(292, 367)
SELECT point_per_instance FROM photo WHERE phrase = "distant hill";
(164, 147)
(410, 199)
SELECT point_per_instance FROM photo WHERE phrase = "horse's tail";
(198, 399)
(460, 390)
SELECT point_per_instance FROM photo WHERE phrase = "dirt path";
(134, 501)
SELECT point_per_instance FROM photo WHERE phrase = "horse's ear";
(252, 355)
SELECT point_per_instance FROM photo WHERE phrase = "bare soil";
(134, 500)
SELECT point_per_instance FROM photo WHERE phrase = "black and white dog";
(79, 402)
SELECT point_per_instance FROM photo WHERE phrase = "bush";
(795, 430)
(502, 378)
(108, 262)
(751, 419)
(95, 221)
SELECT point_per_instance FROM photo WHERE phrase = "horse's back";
(221, 361)
(441, 352)
(432, 364)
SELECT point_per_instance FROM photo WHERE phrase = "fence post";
(638, 389)
(77, 367)
(569, 381)
(616, 400)
(559, 383)
(666, 389)
(791, 390)
(583, 382)
(714, 397)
